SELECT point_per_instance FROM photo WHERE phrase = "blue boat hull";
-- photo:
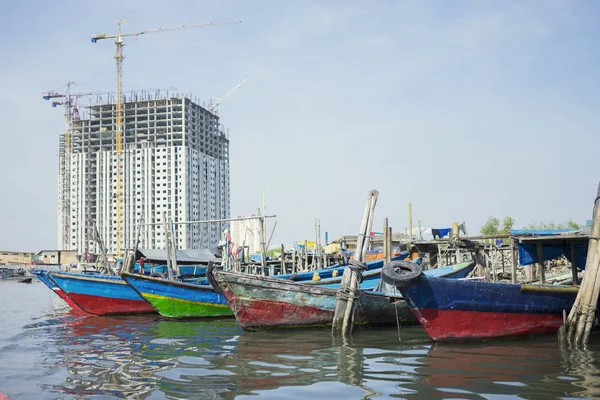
(462, 310)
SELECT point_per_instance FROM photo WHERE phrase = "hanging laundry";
(440, 232)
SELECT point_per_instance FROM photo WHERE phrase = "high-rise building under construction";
(174, 165)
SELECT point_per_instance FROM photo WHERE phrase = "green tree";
(543, 225)
(507, 225)
(491, 227)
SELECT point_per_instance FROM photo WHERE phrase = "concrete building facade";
(175, 164)
(247, 233)
(14, 257)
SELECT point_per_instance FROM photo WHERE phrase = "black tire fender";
(211, 278)
(401, 273)
(158, 275)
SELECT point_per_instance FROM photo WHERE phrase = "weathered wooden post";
(513, 255)
(167, 247)
(581, 317)
(574, 262)
(541, 263)
(349, 287)
(389, 245)
(386, 249)
(282, 260)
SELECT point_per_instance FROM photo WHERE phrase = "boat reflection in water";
(137, 356)
(530, 368)
(146, 357)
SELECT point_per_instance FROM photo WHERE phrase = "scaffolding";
(175, 158)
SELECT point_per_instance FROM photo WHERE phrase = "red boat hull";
(67, 300)
(254, 313)
(448, 325)
(451, 310)
(109, 306)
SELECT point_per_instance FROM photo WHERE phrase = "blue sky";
(466, 109)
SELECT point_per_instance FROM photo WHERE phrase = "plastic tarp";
(541, 232)
(528, 252)
(258, 258)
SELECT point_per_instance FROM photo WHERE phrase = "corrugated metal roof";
(194, 256)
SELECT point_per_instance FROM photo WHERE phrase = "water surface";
(48, 352)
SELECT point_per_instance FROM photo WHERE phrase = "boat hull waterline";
(174, 299)
(452, 310)
(101, 294)
(265, 303)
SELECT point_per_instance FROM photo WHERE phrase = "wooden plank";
(549, 288)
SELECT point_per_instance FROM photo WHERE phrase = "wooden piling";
(283, 271)
(389, 245)
(343, 317)
(581, 317)
(386, 249)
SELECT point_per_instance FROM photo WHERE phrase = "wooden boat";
(175, 299)
(263, 303)
(13, 274)
(100, 294)
(451, 310)
(41, 275)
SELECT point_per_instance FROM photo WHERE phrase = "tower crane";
(119, 42)
(69, 100)
(226, 95)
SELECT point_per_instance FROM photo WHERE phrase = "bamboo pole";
(581, 316)
(345, 302)
(348, 321)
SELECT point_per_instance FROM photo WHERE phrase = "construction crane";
(119, 39)
(71, 113)
(64, 162)
(226, 95)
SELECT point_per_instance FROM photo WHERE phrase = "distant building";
(14, 257)
(247, 233)
(175, 162)
(55, 257)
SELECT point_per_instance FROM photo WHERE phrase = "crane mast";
(119, 42)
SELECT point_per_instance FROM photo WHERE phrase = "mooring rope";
(398, 324)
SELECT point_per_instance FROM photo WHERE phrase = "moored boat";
(100, 294)
(451, 310)
(41, 275)
(176, 299)
(264, 303)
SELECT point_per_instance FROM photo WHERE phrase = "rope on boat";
(398, 324)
